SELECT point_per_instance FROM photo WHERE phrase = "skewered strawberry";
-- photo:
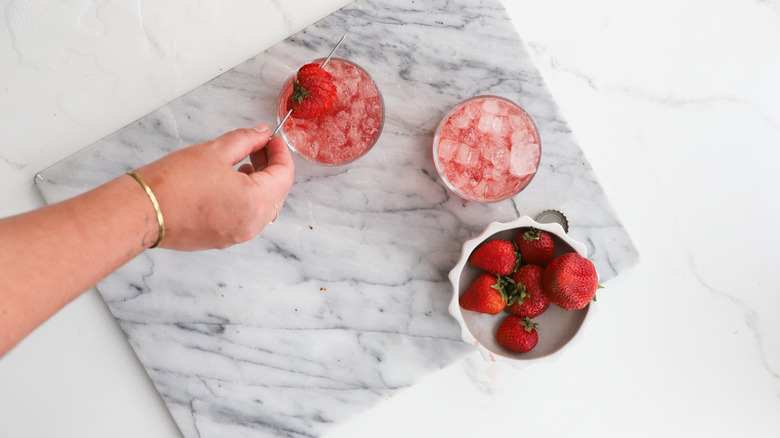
(314, 93)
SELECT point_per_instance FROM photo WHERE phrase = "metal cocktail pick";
(276, 131)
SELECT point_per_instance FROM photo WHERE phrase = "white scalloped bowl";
(557, 328)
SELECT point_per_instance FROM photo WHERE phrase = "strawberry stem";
(299, 93)
(532, 234)
(505, 286)
(528, 324)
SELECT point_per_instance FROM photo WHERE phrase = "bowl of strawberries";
(522, 291)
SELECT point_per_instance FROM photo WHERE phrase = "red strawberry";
(570, 281)
(485, 295)
(536, 247)
(517, 334)
(498, 256)
(314, 93)
(528, 299)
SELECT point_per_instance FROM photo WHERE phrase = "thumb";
(237, 145)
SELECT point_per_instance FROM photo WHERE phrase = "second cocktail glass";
(486, 149)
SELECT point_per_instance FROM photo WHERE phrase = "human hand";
(206, 203)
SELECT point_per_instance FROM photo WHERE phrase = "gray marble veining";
(343, 300)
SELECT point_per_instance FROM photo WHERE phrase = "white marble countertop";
(675, 105)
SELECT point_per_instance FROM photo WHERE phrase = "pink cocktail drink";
(347, 131)
(487, 149)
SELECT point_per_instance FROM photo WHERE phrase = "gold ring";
(277, 214)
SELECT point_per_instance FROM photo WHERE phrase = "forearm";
(50, 256)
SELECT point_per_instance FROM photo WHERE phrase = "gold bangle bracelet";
(156, 206)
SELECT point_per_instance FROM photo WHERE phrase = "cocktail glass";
(349, 130)
(486, 149)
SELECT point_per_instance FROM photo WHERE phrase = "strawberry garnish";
(314, 93)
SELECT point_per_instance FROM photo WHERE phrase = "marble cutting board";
(344, 299)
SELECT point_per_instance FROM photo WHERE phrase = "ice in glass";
(346, 132)
(486, 149)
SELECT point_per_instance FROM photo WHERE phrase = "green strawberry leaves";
(299, 93)
(506, 286)
(532, 234)
(528, 324)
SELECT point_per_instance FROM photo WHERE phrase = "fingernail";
(262, 128)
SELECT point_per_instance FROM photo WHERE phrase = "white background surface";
(676, 105)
